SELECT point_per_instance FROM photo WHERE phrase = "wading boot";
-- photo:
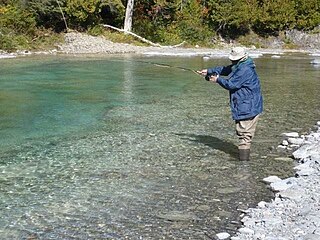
(244, 154)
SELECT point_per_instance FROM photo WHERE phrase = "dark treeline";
(23, 22)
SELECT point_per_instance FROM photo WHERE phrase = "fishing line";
(165, 65)
(170, 66)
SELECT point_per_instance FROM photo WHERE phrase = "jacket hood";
(248, 61)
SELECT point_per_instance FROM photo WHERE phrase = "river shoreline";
(77, 44)
(295, 211)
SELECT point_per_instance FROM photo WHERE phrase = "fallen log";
(141, 38)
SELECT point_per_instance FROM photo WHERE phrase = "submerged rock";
(291, 134)
(178, 216)
(315, 61)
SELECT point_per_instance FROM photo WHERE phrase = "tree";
(308, 14)
(274, 16)
(128, 18)
(48, 13)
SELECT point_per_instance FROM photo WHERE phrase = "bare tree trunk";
(128, 19)
(64, 18)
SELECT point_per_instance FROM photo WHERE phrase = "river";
(124, 147)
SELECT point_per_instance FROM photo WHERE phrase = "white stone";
(285, 143)
(281, 147)
(284, 159)
(302, 166)
(262, 204)
(291, 134)
(280, 185)
(303, 152)
(271, 179)
(295, 141)
(246, 231)
(306, 172)
(223, 235)
(294, 194)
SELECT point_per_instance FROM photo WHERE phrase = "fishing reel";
(207, 77)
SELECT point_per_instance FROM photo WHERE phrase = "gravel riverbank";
(79, 43)
(294, 214)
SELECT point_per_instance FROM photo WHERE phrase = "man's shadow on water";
(213, 142)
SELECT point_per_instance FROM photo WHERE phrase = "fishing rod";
(170, 66)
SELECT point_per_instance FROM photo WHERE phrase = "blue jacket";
(243, 84)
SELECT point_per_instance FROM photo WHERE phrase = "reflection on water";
(113, 148)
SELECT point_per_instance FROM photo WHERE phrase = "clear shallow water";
(115, 148)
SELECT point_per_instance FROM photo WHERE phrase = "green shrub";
(12, 43)
(18, 20)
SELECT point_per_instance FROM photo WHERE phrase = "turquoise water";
(119, 148)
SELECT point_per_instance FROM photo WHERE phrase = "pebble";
(295, 141)
(223, 235)
(246, 231)
(271, 179)
(291, 134)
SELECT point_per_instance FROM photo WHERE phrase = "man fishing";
(246, 102)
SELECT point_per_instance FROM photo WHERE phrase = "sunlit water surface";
(119, 148)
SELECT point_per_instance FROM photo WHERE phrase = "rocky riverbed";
(294, 213)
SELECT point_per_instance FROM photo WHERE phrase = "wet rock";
(262, 204)
(295, 141)
(284, 159)
(282, 147)
(223, 235)
(285, 143)
(291, 134)
(315, 61)
(271, 179)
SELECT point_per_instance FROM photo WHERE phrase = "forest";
(27, 24)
